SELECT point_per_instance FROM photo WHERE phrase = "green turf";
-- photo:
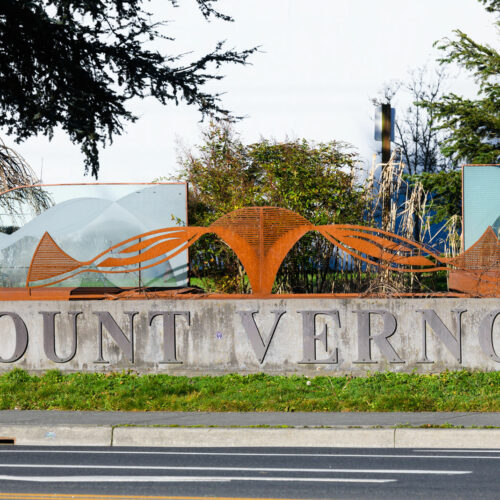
(448, 391)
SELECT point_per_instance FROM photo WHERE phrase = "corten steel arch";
(261, 237)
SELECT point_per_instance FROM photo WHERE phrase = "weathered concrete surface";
(330, 438)
(447, 438)
(58, 435)
(208, 437)
(79, 435)
(222, 336)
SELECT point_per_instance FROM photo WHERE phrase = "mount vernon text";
(252, 338)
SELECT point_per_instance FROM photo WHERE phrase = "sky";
(319, 63)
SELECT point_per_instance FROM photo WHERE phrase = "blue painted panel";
(481, 203)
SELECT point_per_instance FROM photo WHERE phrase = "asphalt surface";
(229, 419)
(32, 473)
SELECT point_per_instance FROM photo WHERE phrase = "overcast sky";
(320, 62)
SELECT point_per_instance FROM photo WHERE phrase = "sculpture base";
(276, 335)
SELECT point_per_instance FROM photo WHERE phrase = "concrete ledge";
(58, 435)
(447, 438)
(199, 437)
(205, 437)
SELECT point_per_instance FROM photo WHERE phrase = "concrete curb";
(84, 435)
(447, 438)
(204, 437)
(58, 435)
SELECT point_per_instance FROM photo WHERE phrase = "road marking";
(185, 479)
(234, 469)
(458, 451)
(241, 454)
(63, 496)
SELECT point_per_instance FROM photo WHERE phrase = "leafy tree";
(75, 64)
(314, 180)
(15, 172)
(445, 190)
(473, 124)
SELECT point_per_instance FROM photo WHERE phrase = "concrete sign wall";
(308, 336)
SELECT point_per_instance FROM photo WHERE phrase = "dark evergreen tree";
(473, 125)
(75, 64)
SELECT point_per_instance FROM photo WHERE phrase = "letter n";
(381, 340)
(452, 343)
(121, 340)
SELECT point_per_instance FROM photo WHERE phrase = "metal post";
(140, 274)
(386, 156)
(386, 133)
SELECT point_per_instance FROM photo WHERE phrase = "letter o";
(21, 337)
(486, 335)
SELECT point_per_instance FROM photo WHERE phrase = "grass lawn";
(448, 391)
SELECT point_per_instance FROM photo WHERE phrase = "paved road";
(33, 473)
(299, 419)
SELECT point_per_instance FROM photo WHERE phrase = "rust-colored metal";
(478, 268)
(383, 249)
(483, 256)
(49, 260)
(475, 284)
(102, 293)
(261, 237)
(42, 268)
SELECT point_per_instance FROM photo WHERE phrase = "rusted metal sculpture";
(477, 270)
(261, 237)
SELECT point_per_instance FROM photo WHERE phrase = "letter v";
(259, 346)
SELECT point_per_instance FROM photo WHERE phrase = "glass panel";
(85, 220)
(496, 227)
(481, 201)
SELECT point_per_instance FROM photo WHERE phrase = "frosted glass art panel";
(86, 220)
